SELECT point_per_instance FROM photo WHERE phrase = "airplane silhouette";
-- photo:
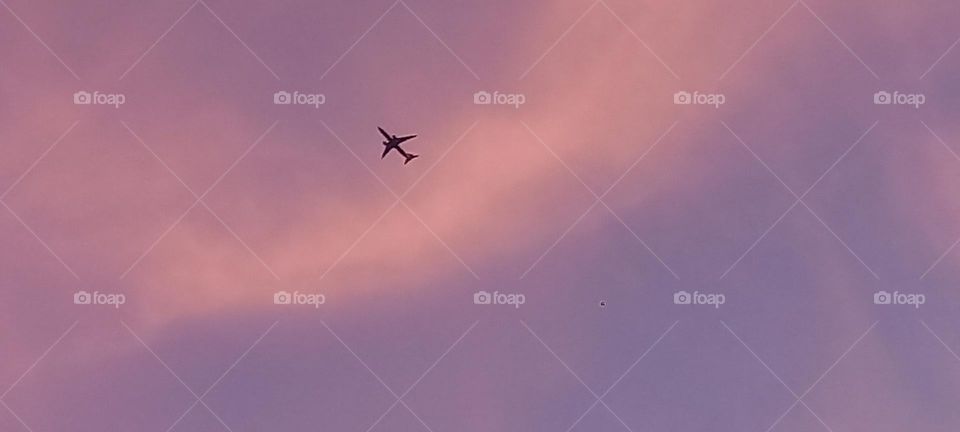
(393, 143)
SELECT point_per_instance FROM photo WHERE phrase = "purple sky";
(198, 199)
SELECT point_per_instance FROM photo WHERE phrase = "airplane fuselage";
(393, 143)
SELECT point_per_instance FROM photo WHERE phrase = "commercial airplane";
(393, 142)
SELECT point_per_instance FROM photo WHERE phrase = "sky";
(811, 224)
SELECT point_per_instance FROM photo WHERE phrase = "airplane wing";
(384, 133)
(385, 151)
(408, 137)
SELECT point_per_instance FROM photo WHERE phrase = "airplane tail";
(410, 157)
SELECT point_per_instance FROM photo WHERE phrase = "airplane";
(393, 142)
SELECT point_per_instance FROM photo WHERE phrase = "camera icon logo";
(82, 298)
(482, 98)
(682, 98)
(482, 298)
(682, 298)
(82, 98)
(882, 98)
(282, 98)
(282, 298)
(882, 298)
